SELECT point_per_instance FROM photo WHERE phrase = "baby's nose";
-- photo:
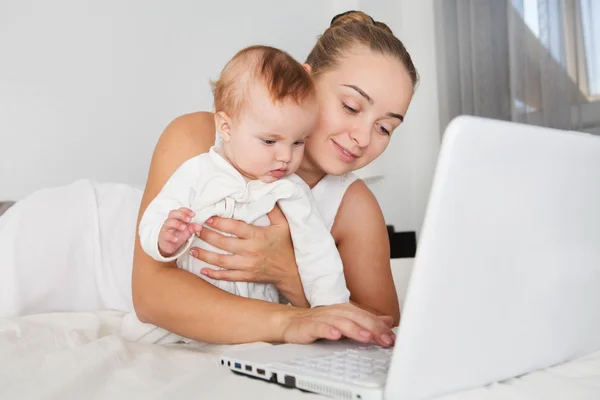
(284, 154)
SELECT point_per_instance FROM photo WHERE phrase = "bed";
(80, 355)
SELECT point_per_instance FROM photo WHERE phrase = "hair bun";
(359, 17)
(351, 16)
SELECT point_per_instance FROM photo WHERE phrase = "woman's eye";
(349, 109)
(384, 130)
(268, 141)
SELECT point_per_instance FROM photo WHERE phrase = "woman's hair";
(283, 77)
(353, 29)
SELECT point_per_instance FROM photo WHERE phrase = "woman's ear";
(223, 125)
(308, 68)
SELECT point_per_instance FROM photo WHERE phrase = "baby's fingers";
(175, 224)
(194, 228)
(180, 215)
(187, 211)
(183, 235)
(169, 237)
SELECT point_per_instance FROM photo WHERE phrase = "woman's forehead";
(382, 77)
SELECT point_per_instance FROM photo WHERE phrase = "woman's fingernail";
(335, 332)
(209, 221)
(365, 334)
(193, 253)
(385, 338)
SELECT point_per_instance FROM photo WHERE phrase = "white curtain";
(531, 61)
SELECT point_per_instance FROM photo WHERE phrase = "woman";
(365, 80)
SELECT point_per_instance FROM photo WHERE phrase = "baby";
(265, 109)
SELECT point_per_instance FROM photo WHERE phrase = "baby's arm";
(165, 228)
(319, 263)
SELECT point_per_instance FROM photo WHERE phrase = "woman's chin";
(337, 168)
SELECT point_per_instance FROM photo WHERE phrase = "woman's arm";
(361, 235)
(185, 304)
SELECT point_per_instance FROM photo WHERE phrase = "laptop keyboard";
(365, 365)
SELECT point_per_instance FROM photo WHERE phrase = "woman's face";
(361, 102)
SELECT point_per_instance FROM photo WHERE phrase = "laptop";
(506, 279)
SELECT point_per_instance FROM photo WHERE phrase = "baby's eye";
(268, 141)
(299, 143)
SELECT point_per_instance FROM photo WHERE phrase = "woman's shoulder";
(196, 127)
(185, 137)
(329, 194)
(358, 208)
(357, 197)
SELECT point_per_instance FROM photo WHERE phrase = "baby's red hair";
(283, 77)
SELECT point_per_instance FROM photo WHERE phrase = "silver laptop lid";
(507, 273)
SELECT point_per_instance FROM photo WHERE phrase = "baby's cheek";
(260, 165)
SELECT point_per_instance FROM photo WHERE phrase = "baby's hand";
(176, 230)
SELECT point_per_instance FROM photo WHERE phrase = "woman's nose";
(361, 136)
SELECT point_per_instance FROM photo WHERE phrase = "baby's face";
(266, 139)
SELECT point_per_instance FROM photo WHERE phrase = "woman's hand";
(333, 322)
(259, 254)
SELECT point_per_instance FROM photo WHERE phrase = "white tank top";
(329, 193)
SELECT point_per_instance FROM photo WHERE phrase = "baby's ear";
(223, 125)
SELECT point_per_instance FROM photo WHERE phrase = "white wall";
(86, 87)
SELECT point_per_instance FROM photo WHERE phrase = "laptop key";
(363, 366)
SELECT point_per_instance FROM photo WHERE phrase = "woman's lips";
(345, 155)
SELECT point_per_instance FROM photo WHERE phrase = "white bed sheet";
(80, 355)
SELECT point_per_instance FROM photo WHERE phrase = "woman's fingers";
(379, 329)
(389, 321)
(350, 329)
(323, 330)
(228, 261)
(227, 275)
(304, 329)
(276, 217)
(382, 333)
(348, 320)
(220, 241)
(238, 228)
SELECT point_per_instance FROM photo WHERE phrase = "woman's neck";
(310, 173)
